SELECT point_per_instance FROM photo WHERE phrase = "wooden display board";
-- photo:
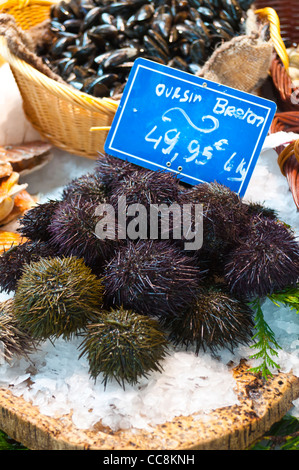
(262, 403)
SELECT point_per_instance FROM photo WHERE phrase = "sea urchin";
(215, 320)
(267, 259)
(124, 346)
(57, 297)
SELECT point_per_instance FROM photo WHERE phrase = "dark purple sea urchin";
(73, 232)
(224, 212)
(35, 222)
(88, 187)
(111, 170)
(266, 260)
(216, 319)
(13, 261)
(151, 277)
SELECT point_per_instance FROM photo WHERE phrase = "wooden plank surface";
(262, 403)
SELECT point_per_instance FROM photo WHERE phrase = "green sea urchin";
(265, 261)
(12, 261)
(124, 346)
(14, 341)
(57, 297)
(215, 320)
(151, 277)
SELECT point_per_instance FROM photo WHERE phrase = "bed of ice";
(56, 381)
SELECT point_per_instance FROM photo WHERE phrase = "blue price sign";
(172, 120)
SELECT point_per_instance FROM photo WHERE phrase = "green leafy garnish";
(266, 344)
(288, 298)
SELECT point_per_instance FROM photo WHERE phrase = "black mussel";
(225, 16)
(61, 44)
(81, 73)
(154, 49)
(162, 24)
(120, 56)
(233, 8)
(174, 7)
(73, 25)
(144, 13)
(78, 8)
(245, 4)
(215, 4)
(179, 63)
(181, 16)
(91, 18)
(93, 86)
(107, 18)
(195, 68)
(188, 32)
(126, 8)
(67, 67)
(184, 48)
(183, 5)
(196, 3)
(120, 23)
(76, 84)
(56, 26)
(206, 13)
(61, 11)
(174, 35)
(84, 53)
(117, 89)
(225, 26)
(158, 38)
(108, 79)
(219, 35)
(83, 39)
(200, 28)
(198, 51)
(100, 59)
(103, 31)
(122, 70)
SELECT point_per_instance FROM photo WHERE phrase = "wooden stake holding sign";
(174, 121)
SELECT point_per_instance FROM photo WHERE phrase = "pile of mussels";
(96, 41)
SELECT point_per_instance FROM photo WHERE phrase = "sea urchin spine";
(57, 297)
(124, 346)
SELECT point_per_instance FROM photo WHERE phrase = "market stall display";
(136, 343)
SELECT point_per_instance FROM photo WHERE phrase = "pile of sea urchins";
(129, 298)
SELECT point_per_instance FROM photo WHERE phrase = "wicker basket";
(288, 13)
(62, 115)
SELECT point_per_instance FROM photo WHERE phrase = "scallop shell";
(23, 201)
(27, 157)
(9, 190)
(5, 169)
